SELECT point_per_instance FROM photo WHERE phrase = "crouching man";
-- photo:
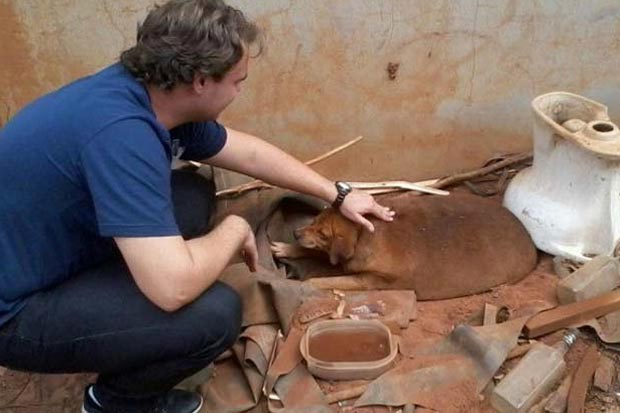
(106, 264)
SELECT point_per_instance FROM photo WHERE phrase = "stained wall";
(466, 71)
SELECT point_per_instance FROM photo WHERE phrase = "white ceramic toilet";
(569, 200)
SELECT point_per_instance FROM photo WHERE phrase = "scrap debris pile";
(512, 349)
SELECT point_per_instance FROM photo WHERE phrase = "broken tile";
(490, 314)
(604, 375)
(596, 277)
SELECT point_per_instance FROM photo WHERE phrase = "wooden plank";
(581, 380)
(567, 315)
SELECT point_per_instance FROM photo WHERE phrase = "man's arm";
(173, 272)
(255, 157)
(252, 156)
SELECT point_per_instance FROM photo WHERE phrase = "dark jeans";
(99, 321)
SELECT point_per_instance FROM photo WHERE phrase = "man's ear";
(199, 84)
(342, 248)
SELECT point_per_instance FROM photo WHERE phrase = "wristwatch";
(343, 189)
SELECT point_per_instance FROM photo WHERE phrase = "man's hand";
(172, 272)
(358, 203)
(247, 248)
(249, 251)
(252, 156)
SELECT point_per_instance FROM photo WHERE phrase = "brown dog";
(441, 247)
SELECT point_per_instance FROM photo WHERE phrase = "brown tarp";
(265, 364)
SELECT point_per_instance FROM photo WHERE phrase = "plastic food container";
(348, 349)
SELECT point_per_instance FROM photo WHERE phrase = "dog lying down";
(439, 246)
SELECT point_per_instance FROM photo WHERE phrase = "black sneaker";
(175, 401)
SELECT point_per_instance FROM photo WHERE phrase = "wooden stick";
(454, 179)
(428, 182)
(400, 185)
(257, 183)
(334, 151)
(581, 380)
(380, 191)
(569, 314)
(239, 189)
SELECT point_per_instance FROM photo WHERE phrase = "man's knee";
(230, 311)
(219, 310)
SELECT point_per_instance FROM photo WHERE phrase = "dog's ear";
(344, 235)
(342, 248)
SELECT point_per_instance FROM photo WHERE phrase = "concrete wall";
(467, 70)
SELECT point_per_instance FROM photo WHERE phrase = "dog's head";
(330, 232)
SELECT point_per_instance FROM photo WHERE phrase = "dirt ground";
(438, 318)
(34, 393)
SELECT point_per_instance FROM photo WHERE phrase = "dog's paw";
(283, 250)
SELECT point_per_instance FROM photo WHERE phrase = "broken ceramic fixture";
(348, 349)
(569, 199)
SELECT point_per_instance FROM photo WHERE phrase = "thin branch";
(458, 178)
(258, 184)
(334, 151)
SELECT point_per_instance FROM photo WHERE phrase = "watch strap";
(342, 193)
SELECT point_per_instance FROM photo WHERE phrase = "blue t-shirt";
(78, 166)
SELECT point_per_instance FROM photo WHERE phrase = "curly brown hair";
(183, 38)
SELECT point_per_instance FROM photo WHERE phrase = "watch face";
(343, 187)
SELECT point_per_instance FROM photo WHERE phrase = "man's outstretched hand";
(358, 203)
(249, 251)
